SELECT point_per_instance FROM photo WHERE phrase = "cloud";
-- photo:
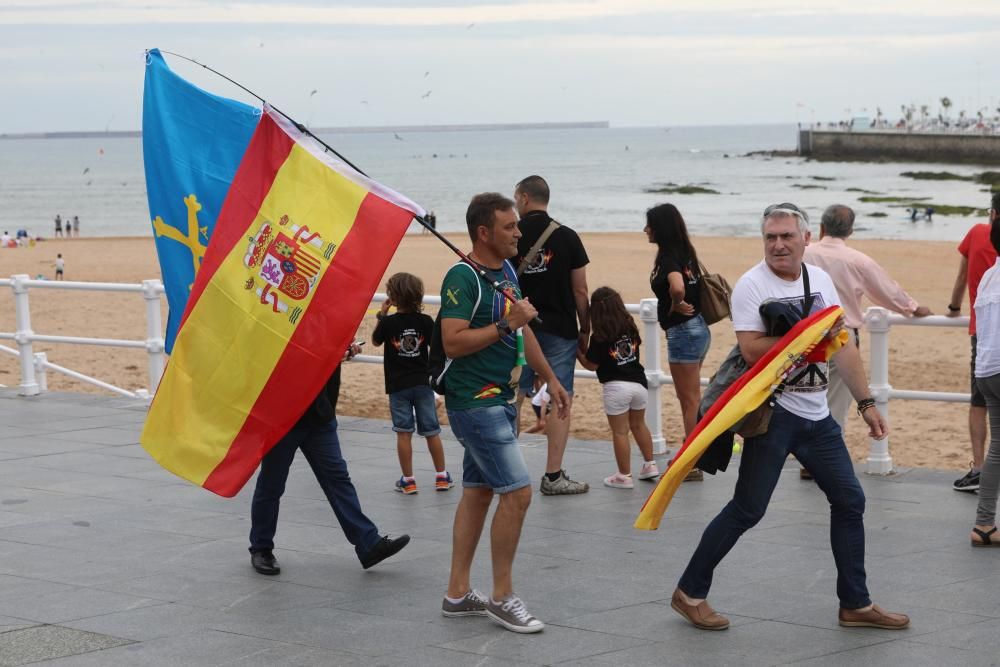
(88, 12)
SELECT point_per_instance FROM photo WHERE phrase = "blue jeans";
(321, 448)
(403, 404)
(493, 457)
(561, 355)
(819, 447)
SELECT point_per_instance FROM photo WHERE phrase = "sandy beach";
(923, 433)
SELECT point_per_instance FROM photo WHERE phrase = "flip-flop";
(985, 537)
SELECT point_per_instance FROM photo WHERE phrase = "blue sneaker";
(443, 482)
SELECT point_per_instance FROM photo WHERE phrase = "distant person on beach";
(987, 372)
(613, 351)
(855, 275)
(479, 331)
(6, 241)
(431, 222)
(60, 266)
(407, 333)
(553, 276)
(800, 424)
(929, 214)
(913, 214)
(674, 281)
(59, 229)
(316, 435)
(76, 226)
(978, 255)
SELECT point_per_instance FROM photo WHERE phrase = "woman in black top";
(674, 281)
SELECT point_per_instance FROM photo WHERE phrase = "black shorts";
(976, 399)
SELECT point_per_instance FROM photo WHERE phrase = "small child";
(407, 378)
(614, 353)
(60, 265)
(540, 404)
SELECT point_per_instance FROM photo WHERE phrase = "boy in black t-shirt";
(407, 335)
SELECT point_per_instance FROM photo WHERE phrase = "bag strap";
(553, 225)
(807, 298)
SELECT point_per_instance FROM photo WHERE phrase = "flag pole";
(506, 292)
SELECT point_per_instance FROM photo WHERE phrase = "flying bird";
(470, 26)
(426, 95)
(365, 102)
(427, 73)
(313, 92)
(86, 169)
(398, 138)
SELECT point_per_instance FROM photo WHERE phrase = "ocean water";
(598, 179)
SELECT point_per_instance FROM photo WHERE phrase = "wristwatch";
(503, 328)
(954, 309)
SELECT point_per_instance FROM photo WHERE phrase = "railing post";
(40, 371)
(878, 326)
(22, 335)
(654, 408)
(151, 291)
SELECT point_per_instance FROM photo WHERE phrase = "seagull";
(426, 73)
(399, 138)
(470, 26)
(365, 102)
(86, 169)
(313, 92)
(426, 95)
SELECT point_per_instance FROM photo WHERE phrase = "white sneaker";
(649, 470)
(619, 481)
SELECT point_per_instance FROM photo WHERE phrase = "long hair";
(670, 234)
(406, 291)
(608, 317)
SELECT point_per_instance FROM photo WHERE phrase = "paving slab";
(99, 542)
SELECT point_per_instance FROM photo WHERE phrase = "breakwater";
(886, 145)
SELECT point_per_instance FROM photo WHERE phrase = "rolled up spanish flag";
(804, 342)
(300, 245)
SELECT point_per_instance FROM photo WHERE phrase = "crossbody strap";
(553, 225)
(807, 298)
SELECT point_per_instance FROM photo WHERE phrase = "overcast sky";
(78, 64)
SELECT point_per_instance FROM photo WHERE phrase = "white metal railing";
(878, 323)
(34, 366)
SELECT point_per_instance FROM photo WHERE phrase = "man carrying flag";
(801, 425)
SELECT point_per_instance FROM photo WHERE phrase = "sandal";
(985, 536)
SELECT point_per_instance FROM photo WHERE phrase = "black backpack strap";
(807, 298)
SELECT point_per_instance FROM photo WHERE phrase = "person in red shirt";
(978, 255)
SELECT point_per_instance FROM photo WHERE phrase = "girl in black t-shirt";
(614, 353)
(407, 377)
(674, 281)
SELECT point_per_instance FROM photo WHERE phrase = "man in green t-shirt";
(479, 328)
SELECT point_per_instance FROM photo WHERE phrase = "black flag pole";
(506, 292)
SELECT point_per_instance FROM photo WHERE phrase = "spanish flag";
(300, 245)
(804, 342)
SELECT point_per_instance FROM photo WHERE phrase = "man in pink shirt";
(855, 275)
(978, 255)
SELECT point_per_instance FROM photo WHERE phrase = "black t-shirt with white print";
(617, 360)
(407, 338)
(665, 265)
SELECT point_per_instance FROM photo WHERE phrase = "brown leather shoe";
(875, 617)
(700, 615)
(804, 474)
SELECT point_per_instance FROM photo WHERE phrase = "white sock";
(650, 463)
(442, 473)
(454, 600)
(408, 479)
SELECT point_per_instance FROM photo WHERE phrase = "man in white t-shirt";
(801, 425)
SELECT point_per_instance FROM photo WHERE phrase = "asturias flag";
(299, 248)
(192, 144)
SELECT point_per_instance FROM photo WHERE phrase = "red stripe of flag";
(338, 306)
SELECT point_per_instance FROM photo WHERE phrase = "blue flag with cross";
(192, 143)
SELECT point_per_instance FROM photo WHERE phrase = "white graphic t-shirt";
(805, 387)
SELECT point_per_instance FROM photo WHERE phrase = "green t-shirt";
(482, 379)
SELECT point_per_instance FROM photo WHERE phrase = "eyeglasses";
(787, 208)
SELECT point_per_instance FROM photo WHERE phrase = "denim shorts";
(493, 457)
(560, 353)
(687, 342)
(420, 400)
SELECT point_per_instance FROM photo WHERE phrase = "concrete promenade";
(106, 559)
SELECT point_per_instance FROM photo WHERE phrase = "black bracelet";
(954, 309)
(864, 404)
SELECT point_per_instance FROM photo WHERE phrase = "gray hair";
(785, 210)
(838, 220)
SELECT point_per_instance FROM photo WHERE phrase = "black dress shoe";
(384, 548)
(264, 562)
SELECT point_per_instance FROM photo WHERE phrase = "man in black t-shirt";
(554, 279)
